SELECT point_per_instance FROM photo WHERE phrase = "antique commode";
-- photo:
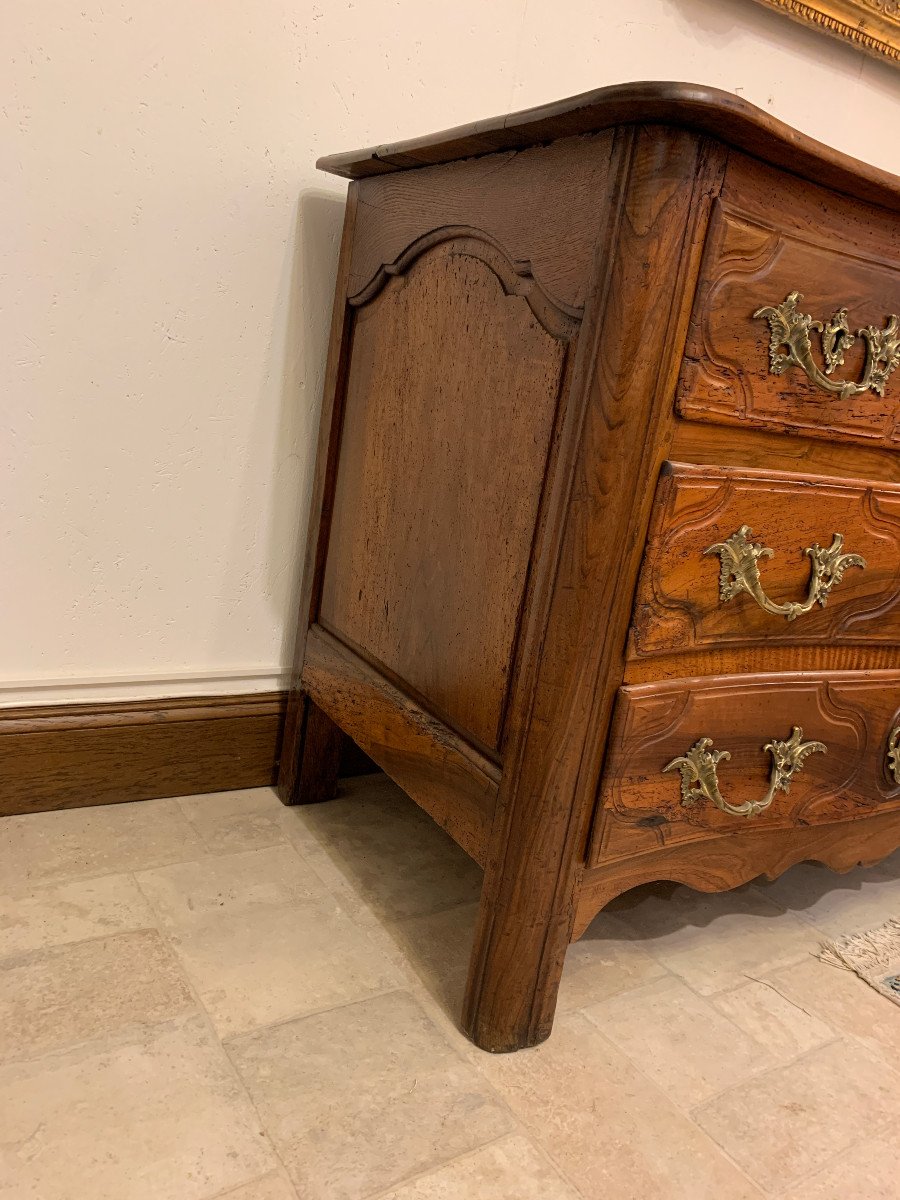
(604, 563)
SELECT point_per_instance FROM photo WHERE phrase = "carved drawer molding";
(836, 728)
(801, 560)
(750, 357)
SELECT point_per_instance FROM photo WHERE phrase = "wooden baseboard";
(74, 755)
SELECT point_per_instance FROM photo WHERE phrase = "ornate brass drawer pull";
(790, 329)
(699, 780)
(893, 754)
(740, 573)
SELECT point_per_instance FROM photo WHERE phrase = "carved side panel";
(641, 804)
(456, 369)
(679, 606)
(541, 204)
(752, 261)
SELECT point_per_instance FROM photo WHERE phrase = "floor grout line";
(808, 1176)
(381, 1193)
(770, 1070)
(233, 1191)
(211, 1028)
(682, 1112)
(21, 957)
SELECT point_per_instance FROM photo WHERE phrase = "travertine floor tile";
(269, 964)
(159, 1116)
(229, 885)
(605, 1125)
(512, 1169)
(71, 912)
(710, 941)
(786, 1030)
(68, 994)
(868, 1171)
(679, 1040)
(608, 960)
(436, 949)
(261, 940)
(278, 914)
(781, 1125)
(843, 1001)
(311, 826)
(241, 820)
(379, 851)
(835, 904)
(50, 847)
(362, 1097)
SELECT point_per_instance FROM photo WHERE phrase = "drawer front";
(727, 562)
(796, 321)
(697, 757)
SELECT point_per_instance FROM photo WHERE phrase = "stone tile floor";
(219, 997)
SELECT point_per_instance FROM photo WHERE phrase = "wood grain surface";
(678, 605)
(76, 755)
(441, 772)
(443, 454)
(742, 446)
(640, 804)
(720, 863)
(706, 110)
(538, 206)
(291, 771)
(321, 745)
(769, 237)
(616, 432)
(517, 303)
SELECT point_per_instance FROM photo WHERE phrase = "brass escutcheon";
(699, 779)
(893, 753)
(789, 330)
(739, 571)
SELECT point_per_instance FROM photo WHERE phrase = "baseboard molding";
(74, 755)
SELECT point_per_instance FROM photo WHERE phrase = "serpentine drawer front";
(796, 322)
(604, 555)
(739, 556)
(694, 757)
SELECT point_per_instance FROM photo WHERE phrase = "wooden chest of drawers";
(604, 561)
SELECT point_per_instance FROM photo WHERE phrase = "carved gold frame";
(871, 25)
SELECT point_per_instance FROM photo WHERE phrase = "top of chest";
(706, 110)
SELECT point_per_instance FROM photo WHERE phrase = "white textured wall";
(167, 254)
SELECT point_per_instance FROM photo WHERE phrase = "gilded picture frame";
(871, 25)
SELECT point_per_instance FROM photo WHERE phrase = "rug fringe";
(873, 955)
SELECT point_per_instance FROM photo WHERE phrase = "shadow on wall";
(317, 243)
(281, 449)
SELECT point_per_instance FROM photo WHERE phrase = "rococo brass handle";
(739, 571)
(699, 780)
(790, 329)
(893, 755)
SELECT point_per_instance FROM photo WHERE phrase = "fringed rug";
(873, 955)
